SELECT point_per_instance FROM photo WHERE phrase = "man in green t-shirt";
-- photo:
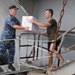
(51, 30)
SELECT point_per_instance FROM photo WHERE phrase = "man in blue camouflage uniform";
(11, 24)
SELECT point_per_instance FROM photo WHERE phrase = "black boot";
(10, 66)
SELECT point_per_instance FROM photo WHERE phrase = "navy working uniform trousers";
(8, 33)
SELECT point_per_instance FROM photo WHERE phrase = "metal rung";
(44, 48)
(25, 45)
(26, 57)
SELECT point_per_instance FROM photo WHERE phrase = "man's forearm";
(39, 23)
(18, 27)
(43, 32)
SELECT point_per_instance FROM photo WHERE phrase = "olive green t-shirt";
(51, 30)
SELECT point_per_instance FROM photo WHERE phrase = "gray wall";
(69, 16)
(31, 6)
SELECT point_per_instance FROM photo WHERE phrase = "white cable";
(31, 66)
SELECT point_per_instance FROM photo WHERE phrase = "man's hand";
(26, 29)
(31, 20)
(43, 32)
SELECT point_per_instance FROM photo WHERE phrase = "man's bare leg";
(50, 58)
(59, 56)
(52, 48)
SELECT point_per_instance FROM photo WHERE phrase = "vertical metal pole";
(37, 48)
(34, 46)
(19, 54)
(41, 45)
(27, 46)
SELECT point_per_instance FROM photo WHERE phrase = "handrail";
(22, 8)
(64, 34)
